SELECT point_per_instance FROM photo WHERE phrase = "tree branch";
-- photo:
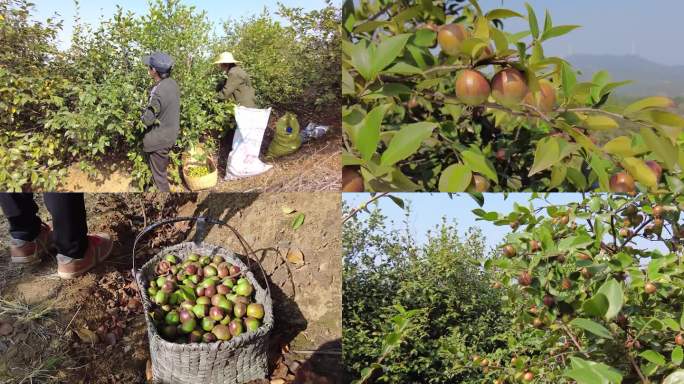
(636, 368)
(362, 206)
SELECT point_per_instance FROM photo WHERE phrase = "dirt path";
(52, 320)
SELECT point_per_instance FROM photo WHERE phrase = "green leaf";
(406, 142)
(456, 178)
(366, 135)
(546, 155)
(613, 292)
(596, 306)
(677, 356)
(360, 58)
(600, 167)
(532, 18)
(568, 79)
(387, 51)
(500, 39)
(403, 68)
(481, 28)
(548, 23)
(503, 13)
(667, 118)
(661, 147)
(649, 102)
(558, 31)
(592, 326)
(298, 221)
(425, 37)
(653, 356)
(589, 372)
(600, 123)
(478, 163)
(621, 146)
(640, 171)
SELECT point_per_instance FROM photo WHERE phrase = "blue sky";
(429, 208)
(651, 29)
(217, 10)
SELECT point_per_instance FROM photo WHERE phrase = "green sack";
(286, 140)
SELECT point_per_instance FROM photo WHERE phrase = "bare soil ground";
(315, 167)
(92, 330)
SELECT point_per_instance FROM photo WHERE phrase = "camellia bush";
(409, 309)
(591, 297)
(83, 105)
(444, 97)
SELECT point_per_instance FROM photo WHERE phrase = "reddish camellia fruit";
(545, 99)
(679, 339)
(501, 154)
(622, 182)
(509, 87)
(656, 168)
(472, 88)
(583, 256)
(535, 246)
(650, 288)
(566, 284)
(478, 184)
(450, 37)
(528, 376)
(586, 273)
(514, 224)
(549, 301)
(625, 232)
(636, 220)
(351, 180)
(509, 250)
(564, 220)
(525, 279)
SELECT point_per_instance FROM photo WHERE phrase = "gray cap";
(159, 61)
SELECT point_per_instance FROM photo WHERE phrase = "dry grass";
(314, 168)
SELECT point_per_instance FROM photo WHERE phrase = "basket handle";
(201, 223)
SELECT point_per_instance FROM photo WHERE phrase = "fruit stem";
(356, 210)
(574, 340)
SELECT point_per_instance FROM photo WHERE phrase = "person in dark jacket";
(161, 117)
(236, 86)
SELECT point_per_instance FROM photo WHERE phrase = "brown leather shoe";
(99, 248)
(31, 252)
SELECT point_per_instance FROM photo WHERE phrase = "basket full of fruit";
(208, 317)
(199, 171)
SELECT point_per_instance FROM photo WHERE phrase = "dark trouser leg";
(68, 222)
(21, 212)
(159, 161)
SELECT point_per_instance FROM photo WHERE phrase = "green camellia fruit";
(172, 318)
(221, 332)
(255, 310)
(161, 297)
(244, 289)
(193, 257)
(252, 324)
(210, 271)
(450, 37)
(208, 323)
(200, 310)
(203, 300)
(189, 325)
(171, 259)
(160, 281)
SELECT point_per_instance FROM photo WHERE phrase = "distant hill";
(650, 78)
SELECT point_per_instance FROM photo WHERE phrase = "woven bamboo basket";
(197, 183)
(235, 361)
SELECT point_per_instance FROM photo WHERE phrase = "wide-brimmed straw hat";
(226, 58)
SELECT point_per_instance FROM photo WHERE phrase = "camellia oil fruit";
(509, 87)
(450, 37)
(622, 182)
(544, 99)
(472, 88)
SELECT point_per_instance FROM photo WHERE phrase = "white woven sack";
(243, 160)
